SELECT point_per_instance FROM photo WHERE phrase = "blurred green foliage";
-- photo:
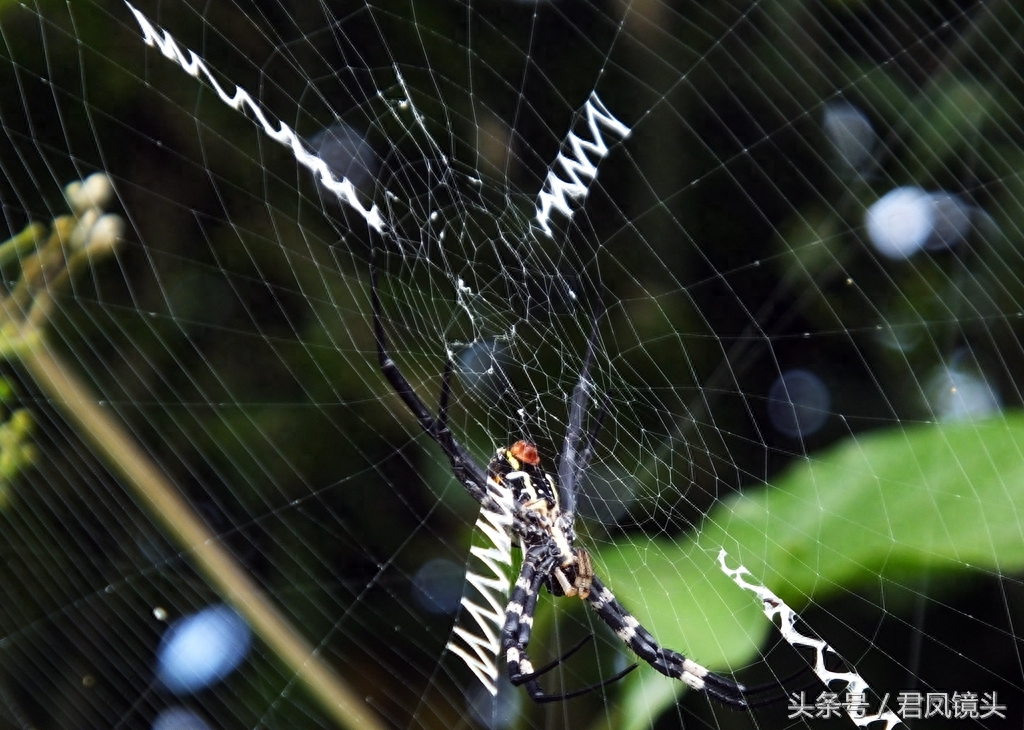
(17, 452)
(889, 518)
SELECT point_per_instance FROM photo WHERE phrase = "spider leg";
(778, 688)
(446, 392)
(555, 662)
(576, 692)
(595, 430)
(387, 365)
(670, 663)
(515, 636)
(466, 470)
(572, 462)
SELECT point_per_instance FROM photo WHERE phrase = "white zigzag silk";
(579, 170)
(556, 193)
(480, 650)
(851, 682)
(194, 66)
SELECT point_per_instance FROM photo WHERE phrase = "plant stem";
(166, 504)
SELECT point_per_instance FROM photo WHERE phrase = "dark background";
(231, 330)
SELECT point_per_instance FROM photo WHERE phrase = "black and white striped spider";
(546, 534)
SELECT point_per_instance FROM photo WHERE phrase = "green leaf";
(945, 497)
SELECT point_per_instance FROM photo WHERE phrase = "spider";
(546, 535)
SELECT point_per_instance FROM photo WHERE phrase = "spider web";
(795, 224)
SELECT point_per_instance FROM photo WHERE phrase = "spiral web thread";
(852, 682)
(556, 193)
(480, 643)
(567, 183)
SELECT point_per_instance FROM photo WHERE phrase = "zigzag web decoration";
(579, 170)
(194, 66)
(852, 683)
(480, 650)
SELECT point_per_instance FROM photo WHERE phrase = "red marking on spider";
(525, 452)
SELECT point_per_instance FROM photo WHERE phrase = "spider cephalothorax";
(542, 522)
